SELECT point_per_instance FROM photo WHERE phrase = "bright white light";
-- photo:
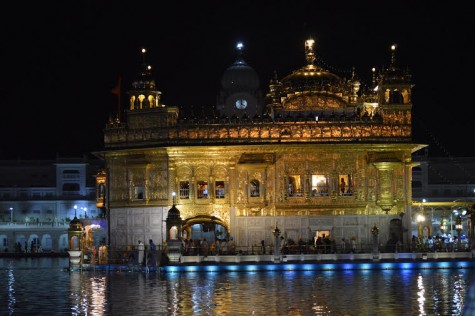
(424, 200)
(240, 46)
(144, 50)
(173, 193)
(393, 47)
(420, 218)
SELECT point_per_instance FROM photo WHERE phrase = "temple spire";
(309, 51)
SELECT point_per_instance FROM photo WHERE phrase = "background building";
(38, 199)
(443, 190)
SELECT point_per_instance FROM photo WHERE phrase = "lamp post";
(85, 211)
(458, 228)
(420, 219)
(443, 225)
(75, 210)
(374, 233)
(276, 233)
(11, 215)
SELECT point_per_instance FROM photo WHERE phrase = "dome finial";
(393, 54)
(309, 52)
(144, 51)
(239, 48)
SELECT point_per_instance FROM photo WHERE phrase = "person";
(223, 247)
(141, 249)
(263, 247)
(212, 248)
(342, 186)
(353, 244)
(343, 245)
(204, 247)
(152, 245)
(152, 253)
(231, 246)
(282, 245)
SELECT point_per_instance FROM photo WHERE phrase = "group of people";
(444, 242)
(143, 256)
(34, 247)
(194, 247)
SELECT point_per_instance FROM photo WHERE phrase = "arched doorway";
(204, 226)
(46, 243)
(63, 243)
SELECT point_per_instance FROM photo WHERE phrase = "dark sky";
(62, 58)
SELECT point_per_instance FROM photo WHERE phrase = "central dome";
(311, 78)
(240, 77)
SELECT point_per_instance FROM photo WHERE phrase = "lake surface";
(42, 286)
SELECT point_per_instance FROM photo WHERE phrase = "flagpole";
(117, 91)
(119, 110)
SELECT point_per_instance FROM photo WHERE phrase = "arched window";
(184, 190)
(202, 190)
(254, 189)
(295, 186)
(319, 185)
(345, 185)
(219, 189)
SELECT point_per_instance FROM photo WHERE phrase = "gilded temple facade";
(317, 156)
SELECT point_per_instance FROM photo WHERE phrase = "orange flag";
(116, 89)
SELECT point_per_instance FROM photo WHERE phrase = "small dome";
(75, 225)
(173, 212)
(240, 77)
(311, 78)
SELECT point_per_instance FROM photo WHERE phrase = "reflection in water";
(41, 286)
(421, 294)
(88, 294)
(11, 290)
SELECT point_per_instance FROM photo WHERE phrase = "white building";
(38, 199)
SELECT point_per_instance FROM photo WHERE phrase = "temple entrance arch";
(205, 226)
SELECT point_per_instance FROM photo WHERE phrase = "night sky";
(60, 60)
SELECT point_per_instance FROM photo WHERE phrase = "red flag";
(116, 89)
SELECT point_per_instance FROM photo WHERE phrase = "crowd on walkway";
(194, 247)
(150, 255)
(440, 243)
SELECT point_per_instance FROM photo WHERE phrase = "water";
(41, 286)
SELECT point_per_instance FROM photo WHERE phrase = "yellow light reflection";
(420, 294)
